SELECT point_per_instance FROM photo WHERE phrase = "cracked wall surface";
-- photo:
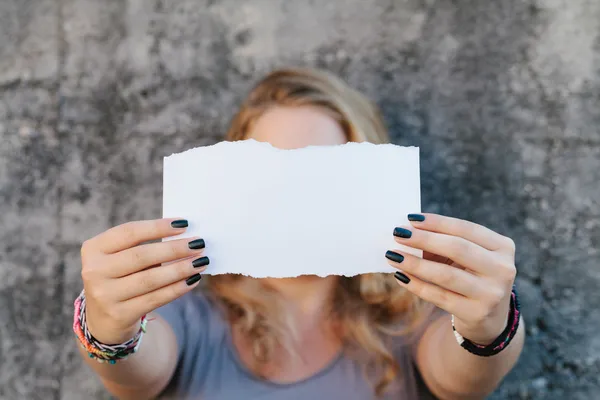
(503, 97)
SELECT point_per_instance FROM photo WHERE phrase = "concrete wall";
(502, 96)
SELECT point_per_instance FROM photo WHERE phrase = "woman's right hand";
(123, 278)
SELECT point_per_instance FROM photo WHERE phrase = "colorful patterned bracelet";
(100, 351)
(501, 341)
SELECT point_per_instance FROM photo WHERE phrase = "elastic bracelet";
(99, 351)
(501, 341)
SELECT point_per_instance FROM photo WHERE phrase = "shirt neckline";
(235, 357)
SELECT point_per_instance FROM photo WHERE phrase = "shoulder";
(192, 305)
(405, 349)
(412, 331)
(201, 333)
(195, 318)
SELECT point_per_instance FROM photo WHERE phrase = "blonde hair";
(368, 309)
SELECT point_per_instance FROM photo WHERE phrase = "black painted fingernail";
(402, 233)
(196, 244)
(401, 277)
(200, 262)
(391, 255)
(180, 223)
(193, 279)
(416, 217)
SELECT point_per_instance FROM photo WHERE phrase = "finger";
(459, 250)
(143, 256)
(443, 275)
(440, 259)
(449, 301)
(130, 234)
(434, 257)
(153, 279)
(470, 231)
(149, 302)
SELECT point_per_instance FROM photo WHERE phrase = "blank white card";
(267, 212)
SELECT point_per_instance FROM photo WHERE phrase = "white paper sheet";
(267, 212)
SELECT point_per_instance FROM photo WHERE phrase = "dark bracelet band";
(501, 341)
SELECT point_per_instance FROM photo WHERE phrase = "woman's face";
(293, 128)
(296, 127)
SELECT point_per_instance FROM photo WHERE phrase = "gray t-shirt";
(209, 366)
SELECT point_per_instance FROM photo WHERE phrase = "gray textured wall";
(502, 96)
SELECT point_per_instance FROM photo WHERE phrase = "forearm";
(455, 373)
(145, 373)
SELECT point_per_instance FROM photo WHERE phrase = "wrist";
(113, 336)
(501, 341)
(485, 334)
(105, 350)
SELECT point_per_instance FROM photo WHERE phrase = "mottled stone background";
(502, 96)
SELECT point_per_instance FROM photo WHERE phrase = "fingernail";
(402, 233)
(401, 277)
(391, 255)
(416, 217)
(193, 279)
(180, 223)
(196, 244)
(200, 262)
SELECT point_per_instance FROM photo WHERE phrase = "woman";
(368, 336)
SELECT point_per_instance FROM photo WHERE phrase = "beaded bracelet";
(501, 341)
(100, 351)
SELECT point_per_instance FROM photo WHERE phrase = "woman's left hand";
(467, 270)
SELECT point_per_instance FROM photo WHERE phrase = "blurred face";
(296, 127)
(292, 128)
